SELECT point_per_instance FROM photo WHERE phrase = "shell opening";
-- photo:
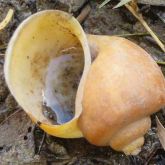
(61, 82)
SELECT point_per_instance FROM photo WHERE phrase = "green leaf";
(104, 3)
(121, 3)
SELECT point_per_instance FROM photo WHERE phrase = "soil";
(22, 142)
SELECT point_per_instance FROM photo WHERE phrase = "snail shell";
(37, 55)
(124, 86)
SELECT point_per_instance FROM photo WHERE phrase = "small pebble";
(57, 149)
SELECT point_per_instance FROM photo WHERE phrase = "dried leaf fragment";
(7, 19)
(161, 132)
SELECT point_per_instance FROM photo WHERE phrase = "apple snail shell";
(112, 99)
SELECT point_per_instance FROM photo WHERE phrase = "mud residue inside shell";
(61, 83)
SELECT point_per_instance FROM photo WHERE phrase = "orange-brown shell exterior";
(124, 86)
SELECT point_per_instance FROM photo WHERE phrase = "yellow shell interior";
(36, 42)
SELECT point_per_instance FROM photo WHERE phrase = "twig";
(42, 141)
(10, 116)
(133, 8)
(84, 13)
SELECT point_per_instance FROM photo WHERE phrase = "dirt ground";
(22, 142)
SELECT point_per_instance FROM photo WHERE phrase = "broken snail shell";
(123, 87)
(47, 61)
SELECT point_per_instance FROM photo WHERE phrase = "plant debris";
(7, 19)
(153, 2)
(121, 3)
(133, 8)
(84, 13)
(104, 3)
(161, 132)
(14, 138)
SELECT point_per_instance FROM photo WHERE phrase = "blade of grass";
(104, 3)
(121, 3)
(160, 63)
(7, 19)
(132, 34)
